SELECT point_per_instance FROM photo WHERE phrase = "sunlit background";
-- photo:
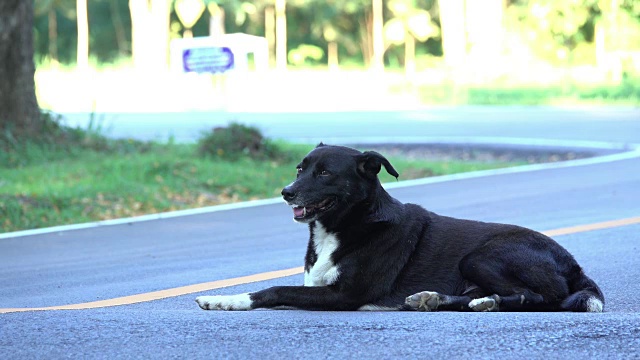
(113, 55)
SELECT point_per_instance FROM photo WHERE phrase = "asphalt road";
(106, 262)
(591, 124)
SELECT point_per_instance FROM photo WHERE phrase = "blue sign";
(207, 60)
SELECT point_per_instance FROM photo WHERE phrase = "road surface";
(590, 207)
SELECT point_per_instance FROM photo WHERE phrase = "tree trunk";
(332, 55)
(281, 35)
(366, 43)
(19, 110)
(216, 21)
(53, 36)
(150, 33)
(83, 35)
(484, 21)
(454, 37)
(409, 54)
(118, 27)
(270, 32)
(377, 60)
(454, 45)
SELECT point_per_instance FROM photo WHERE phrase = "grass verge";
(627, 94)
(53, 186)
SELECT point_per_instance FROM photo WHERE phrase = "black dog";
(368, 251)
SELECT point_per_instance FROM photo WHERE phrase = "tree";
(617, 36)
(347, 23)
(408, 24)
(485, 32)
(51, 8)
(553, 28)
(281, 34)
(150, 33)
(73, 10)
(83, 34)
(19, 112)
(124, 46)
(454, 39)
(188, 11)
(247, 16)
(377, 58)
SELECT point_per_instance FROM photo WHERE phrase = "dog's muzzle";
(288, 194)
(309, 211)
(305, 211)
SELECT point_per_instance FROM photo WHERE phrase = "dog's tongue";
(298, 211)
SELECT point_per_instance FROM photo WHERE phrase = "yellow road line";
(162, 294)
(196, 288)
(591, 227)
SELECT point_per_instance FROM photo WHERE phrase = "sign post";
(198, 57)
(207, 60)
(224, 58)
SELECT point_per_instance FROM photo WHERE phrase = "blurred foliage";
(626, 93)
(109, 29)
(552, 29)
(56, 141)
(408, 17)
(309, 22)
(304, 53)
(237, 141)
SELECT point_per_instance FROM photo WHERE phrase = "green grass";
(42, 188)
(627, 93)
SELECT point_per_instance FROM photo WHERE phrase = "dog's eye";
(298, 170)
(324, 173)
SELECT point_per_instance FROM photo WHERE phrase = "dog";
(369, 251)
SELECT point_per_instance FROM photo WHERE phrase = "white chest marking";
(324, 272)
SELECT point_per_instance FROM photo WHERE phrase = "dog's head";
(332, 180)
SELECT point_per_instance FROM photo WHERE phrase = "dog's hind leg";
(433, 301)
(525, 300)
(512, 285)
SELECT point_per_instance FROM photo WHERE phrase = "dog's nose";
(288, 194)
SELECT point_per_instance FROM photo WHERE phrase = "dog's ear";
(370, 162)
(320, 145)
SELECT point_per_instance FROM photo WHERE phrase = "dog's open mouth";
(309, 211)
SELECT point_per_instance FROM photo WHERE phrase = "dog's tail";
(586, 296)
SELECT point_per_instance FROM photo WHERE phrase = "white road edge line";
(629, 151)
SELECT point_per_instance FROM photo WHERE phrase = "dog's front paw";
(225, 302)
(331, 276)
(490, 303)
(424, 301)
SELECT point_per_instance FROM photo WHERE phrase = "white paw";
(594, 305)
(484, 304)
(331, 276)
(319, 277)
(225, 302)
(424, 301)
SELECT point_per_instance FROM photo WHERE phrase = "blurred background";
(117, 131)
(113, 55)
